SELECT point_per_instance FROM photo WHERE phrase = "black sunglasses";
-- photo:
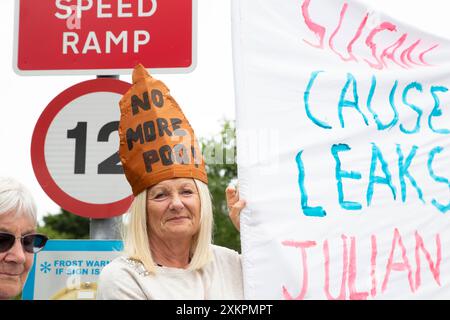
(32, 243)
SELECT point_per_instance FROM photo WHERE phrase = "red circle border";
(48, 184)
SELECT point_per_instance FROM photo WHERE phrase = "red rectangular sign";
(104, 36)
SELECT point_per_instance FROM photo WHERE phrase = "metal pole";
(105, 229)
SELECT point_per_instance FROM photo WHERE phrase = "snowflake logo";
(45, 267)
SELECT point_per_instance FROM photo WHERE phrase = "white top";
(221, 278)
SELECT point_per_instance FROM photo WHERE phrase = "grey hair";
(15, 198)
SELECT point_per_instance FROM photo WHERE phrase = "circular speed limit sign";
(74, 150)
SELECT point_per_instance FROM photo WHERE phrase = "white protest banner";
(343, 123)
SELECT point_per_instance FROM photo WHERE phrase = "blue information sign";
(69, 269)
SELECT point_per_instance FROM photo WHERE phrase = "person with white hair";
(18, 238)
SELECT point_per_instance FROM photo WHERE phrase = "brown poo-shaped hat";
(156, 140)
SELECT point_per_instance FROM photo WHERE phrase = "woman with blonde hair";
(168, 250)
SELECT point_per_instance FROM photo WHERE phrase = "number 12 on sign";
(108, 166)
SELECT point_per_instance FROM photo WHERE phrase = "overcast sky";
(206, 95)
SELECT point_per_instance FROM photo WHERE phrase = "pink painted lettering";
(434, 267)
(397, 266)
(318, 30)
(326, 254)
(373, 266)
(389, 52)
(355, 38)
(352, 271)
(378, 58)
(302, 246)
(345, 280)
(369, 42)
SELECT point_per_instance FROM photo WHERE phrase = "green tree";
(65, 225)
(219, 153)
